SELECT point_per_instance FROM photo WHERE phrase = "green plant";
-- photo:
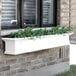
(29, 32)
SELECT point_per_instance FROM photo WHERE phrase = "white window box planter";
(17, 46)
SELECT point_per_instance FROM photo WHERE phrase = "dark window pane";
(30, 12)
(9, 13)
(48, 11)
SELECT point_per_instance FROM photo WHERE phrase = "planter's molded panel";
(9, 46)
(16, 46)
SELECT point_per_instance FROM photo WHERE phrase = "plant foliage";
(29, 32)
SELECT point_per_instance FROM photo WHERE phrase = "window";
(23, 13)
(9, 13)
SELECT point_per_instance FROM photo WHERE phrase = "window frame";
(20, 21)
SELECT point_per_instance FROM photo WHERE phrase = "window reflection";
(47, 11)
(30, 11)
(9, 12)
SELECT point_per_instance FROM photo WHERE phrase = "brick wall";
(12, 65)
(73, 13)
(63, 12)
(66, 13)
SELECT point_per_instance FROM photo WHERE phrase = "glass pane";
(9, 12)
(47, 12)
(30, 12)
